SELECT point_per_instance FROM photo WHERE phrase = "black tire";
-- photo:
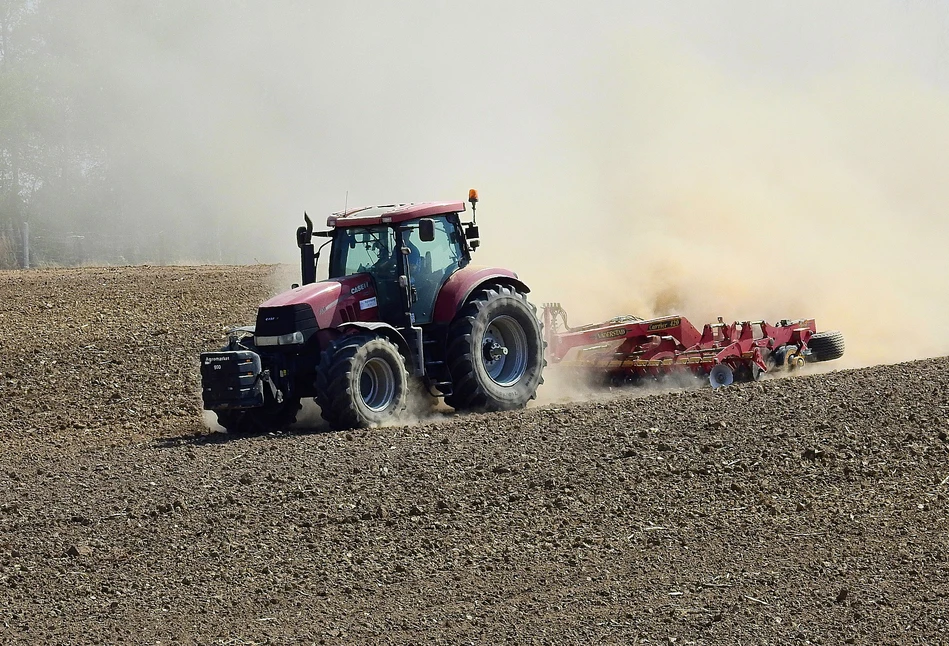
(783, 358)
(361, 382)
(827, 346)
(270, 417)
(495, 352)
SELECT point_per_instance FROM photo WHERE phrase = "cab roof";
(391, 213)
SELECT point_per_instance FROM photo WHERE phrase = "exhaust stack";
(307, 257)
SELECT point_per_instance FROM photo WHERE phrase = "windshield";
(363, 249)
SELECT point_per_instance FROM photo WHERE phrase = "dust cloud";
(684, 184)
(723, 158)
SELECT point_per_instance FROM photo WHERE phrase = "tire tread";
(827, 346)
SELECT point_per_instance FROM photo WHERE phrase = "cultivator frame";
(629, 349)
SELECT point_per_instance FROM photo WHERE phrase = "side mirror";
(471, 232)
(426, 230)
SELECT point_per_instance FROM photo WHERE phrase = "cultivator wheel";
(787, 357)
(827, 346)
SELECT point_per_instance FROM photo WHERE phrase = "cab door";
(431, 263)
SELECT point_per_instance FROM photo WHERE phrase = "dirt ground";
(809, 510)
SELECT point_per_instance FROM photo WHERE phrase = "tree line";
(76, 165)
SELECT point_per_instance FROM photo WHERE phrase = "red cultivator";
(628, 349)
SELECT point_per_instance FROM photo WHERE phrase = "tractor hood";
(326, 304)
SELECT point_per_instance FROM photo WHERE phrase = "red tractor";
(403, 308)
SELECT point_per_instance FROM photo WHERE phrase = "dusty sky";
(744, 159)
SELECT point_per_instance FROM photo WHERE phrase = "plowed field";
(802, 510)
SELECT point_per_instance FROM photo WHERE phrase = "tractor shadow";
(309, 422)
(209, 432)
(205, 437)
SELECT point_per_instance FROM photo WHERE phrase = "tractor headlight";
(293, 338)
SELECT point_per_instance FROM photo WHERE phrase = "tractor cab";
(407, 256)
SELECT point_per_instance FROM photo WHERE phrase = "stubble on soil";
(804, 510)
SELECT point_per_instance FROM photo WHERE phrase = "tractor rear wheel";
(361, 382)
(495, 352)
(827, 346)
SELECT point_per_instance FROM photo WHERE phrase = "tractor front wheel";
(495, 352)
(361, 382)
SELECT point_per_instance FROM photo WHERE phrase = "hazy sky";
(738, 158)
(288, 105)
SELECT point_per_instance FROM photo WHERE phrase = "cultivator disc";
(721, 375)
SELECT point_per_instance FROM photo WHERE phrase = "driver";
(384, 264)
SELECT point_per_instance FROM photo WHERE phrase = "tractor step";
(444, 387)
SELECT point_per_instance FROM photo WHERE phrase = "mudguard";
(464, 282)
(382, 329)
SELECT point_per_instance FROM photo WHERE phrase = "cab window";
(358, 250)
(440, 257)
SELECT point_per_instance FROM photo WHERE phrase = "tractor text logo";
(611, 334)
(665, 325)
(359, 288)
